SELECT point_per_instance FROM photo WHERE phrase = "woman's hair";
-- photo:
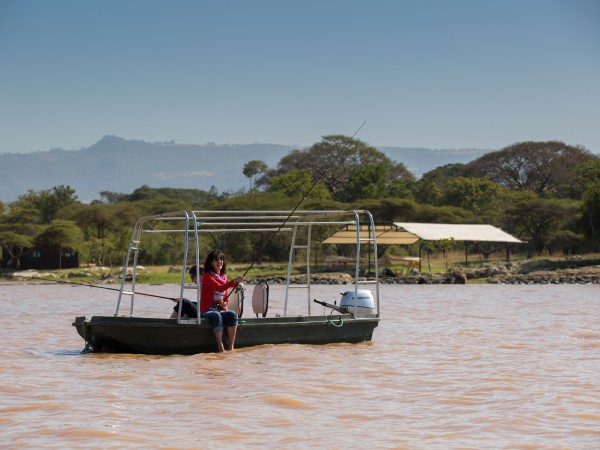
(215, 254)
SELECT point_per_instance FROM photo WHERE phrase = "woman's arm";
(215, 284)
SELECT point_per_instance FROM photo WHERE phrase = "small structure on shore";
(406, 233)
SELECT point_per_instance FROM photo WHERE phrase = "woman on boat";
(213, 299)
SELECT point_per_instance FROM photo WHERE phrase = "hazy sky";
(422, 73)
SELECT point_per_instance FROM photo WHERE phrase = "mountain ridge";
(118, 165)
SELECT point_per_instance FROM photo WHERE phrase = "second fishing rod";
(305, 195)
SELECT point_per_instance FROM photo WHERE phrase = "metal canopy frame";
(191, 224)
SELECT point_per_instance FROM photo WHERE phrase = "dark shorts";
(218, 319)
(187, 307)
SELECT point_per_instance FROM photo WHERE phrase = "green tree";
(444, 245)
(444, 214)
(540, 167)
(589, 177)
(296, 183)
(48, 202)
(479, 195)
(366, 181)
(432, 185)
(100, 251)
(95, 220)
(567, 242)
(537, 220)
(333, 160)
(59, 235)
(102, 225)
(15, 244)
(112, 197)
(392, 209)
(18, 228)
(252, 169)
(402, 189)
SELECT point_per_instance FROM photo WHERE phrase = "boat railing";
(192, 224)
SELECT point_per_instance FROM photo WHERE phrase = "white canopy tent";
(457, 232)
(404, 233)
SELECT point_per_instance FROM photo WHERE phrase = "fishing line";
(106, 287)
(304, 197)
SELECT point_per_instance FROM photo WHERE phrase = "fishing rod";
(304, 197)
(108, 288)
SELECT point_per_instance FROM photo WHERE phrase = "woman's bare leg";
(231, 331)
(219, 337)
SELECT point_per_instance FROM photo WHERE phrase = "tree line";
(545, 193)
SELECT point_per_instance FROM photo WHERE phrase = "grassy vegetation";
(161, 274)
(157, 274)
(436, 263)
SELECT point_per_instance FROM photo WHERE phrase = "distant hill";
(421, 160)
(118, 165)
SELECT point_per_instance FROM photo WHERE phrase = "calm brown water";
(475, 366)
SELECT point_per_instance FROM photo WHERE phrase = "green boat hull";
(159, 336)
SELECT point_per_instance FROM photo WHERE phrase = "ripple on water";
(475, 366)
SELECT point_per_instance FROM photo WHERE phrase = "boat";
(353, 320)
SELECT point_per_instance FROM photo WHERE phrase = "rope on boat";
(337, 325)
(89, 348)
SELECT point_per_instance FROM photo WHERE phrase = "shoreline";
(530, 272)
(455, 277)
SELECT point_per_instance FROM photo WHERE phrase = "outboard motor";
(364, 301)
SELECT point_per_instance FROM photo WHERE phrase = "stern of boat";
(80, 325)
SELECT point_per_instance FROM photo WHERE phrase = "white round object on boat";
(364, 301)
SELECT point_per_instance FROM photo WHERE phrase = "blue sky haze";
(430, 73)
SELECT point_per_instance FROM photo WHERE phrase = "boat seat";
(260, 298)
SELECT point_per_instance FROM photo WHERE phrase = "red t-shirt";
(213, 288)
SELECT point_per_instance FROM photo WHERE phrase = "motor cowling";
(364, 301)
